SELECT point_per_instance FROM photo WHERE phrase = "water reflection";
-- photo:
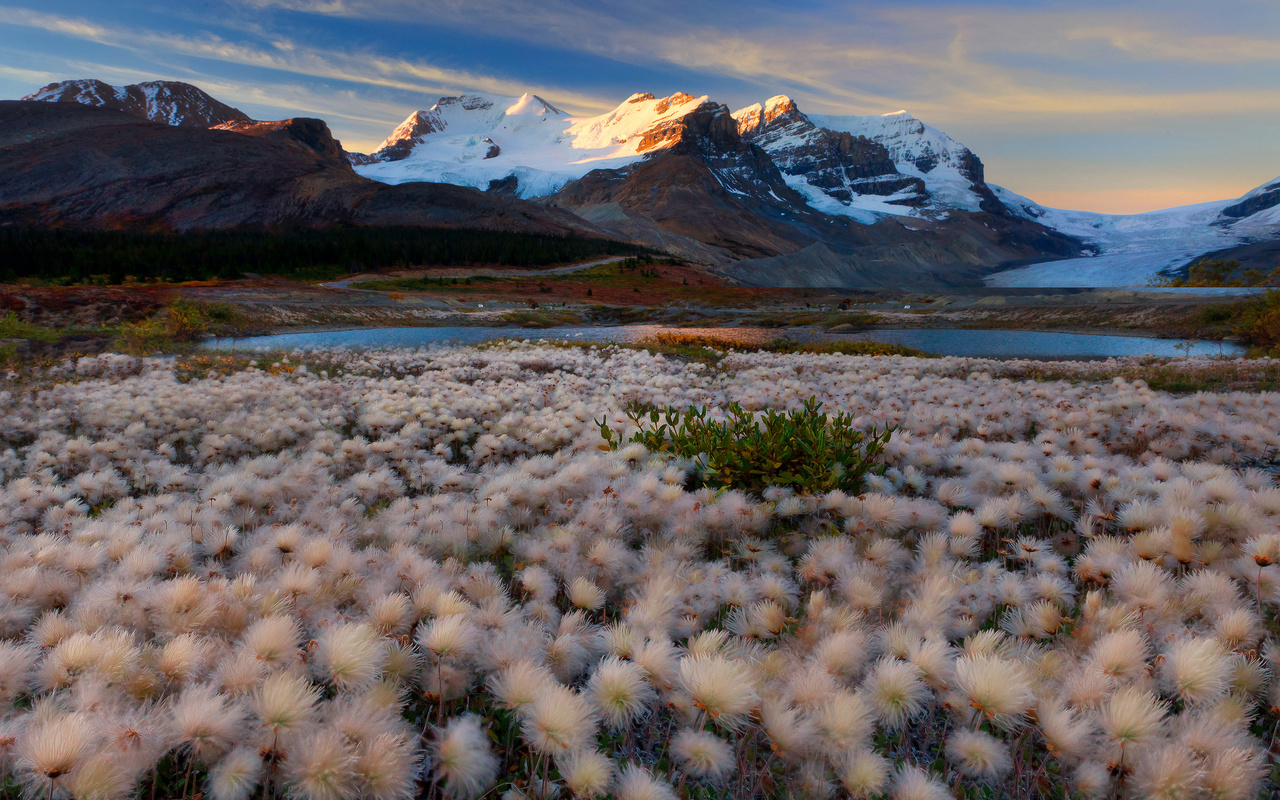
(981, 343)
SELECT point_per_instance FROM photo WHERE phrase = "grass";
(820, 319)
(615, 283)
(687, 344)
(540, 319)
(606, 275)
(623, 315)
(11, 327)
(23, 343)
(1164, 375)
(1216, 272)
(180, 324)
(708, 349)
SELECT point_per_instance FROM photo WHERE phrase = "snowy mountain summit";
(482, 140)
(861, 167)
(889, 164)
(169, 102)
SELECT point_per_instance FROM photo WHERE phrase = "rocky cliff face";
(401, 141)
(169, 102)
(307, 132)
(870, 163)
(839, 163)
(1256, 201)
(713, 194)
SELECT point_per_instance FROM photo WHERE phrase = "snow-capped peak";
(633, 127)
(530, 105)
(915, 169)
(169, 102)
(475, 139)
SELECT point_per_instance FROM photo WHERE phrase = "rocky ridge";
(169, 102)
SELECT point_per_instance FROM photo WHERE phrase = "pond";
(979, 343)
(1040, 344)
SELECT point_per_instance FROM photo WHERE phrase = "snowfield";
(539, 144)
(414, 573)
(1134, 249)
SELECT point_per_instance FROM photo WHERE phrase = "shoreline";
(1118, 332)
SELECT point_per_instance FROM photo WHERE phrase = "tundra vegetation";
(393, 574)
(1216, 272)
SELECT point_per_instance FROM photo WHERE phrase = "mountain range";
(767, 195)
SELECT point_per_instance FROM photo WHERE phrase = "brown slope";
(311, 133)
(680, 195)
(706, 186)
(764, 234)
(714, 189)
(761, 243)
(75, 165)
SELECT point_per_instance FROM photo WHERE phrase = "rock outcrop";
(313, 134)
(1260, 199)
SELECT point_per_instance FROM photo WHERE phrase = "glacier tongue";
(1133, 249)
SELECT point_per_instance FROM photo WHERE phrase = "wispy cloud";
(71, 26)
(875, 57)
(28, 76)
(1099, 69)
(1163, 44)
(285, 55)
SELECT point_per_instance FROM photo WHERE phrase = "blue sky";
(1118, 106)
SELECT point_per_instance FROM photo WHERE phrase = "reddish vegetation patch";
(82, 306)
(646, 286)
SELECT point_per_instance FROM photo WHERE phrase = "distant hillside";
(170, 102)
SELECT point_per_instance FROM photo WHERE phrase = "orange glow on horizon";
(1134, 201)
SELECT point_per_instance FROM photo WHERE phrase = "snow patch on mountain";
(892, 164)
(865, 209)
(476, 139)
(918, 150)
(170, 102)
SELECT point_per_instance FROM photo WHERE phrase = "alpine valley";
(768, 195)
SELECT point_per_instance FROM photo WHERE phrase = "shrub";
(1259, 321)
(806, 450)
(13, 327)
(143, 337)
(1216, 272)
(185, 320)
(182, 322)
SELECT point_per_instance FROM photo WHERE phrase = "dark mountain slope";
(73, 165)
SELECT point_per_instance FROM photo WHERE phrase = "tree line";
(77, 256)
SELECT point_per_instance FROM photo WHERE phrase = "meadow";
(394, 574)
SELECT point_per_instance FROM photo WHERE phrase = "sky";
(1116, 106)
